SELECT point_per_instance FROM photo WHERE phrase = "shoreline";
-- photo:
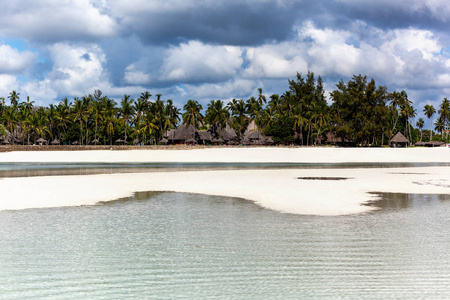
(291, 190)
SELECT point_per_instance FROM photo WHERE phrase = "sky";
(220, 49)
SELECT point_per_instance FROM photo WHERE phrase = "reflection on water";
(402, 201)
(175, 245)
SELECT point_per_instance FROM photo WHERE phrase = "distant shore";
(296, 190)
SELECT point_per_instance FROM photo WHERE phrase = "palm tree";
(420, 123)
(97, 114)
(149, 125)
(79, 114)
(217, 115)
(299, 121)
(10, 116)
(238, 110)
(261, 97)
(444, 113)
(429, 111)
(127, 110)
(171, 116)
(14, 98)
(192, 115)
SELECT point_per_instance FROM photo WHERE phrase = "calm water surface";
(175, 245)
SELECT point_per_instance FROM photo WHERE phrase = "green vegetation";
(358, 113)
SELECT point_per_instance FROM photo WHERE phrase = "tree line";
(359, 112)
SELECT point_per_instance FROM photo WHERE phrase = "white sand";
(275, 189)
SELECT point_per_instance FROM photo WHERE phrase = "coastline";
(299, 191)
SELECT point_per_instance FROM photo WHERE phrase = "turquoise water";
(175, 245)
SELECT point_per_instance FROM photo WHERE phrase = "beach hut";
(217, 141)
(269, 140)
(75, 143)
(164, 141)
(184, 133)
(191, 141)
(41, 141)
(253, 136)
(399, 140)
(95, 141)
(5, 142)
(55, 142)
(120, 141)
(204, 137)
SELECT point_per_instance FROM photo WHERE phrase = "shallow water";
(175, 245)
(57, 169)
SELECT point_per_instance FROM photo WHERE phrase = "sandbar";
(335, 191)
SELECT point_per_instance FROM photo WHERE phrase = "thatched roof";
(55, 142)
(204, 135)
(251, 127)
(227, 133)
(169, 134)
(184, 132)
(217, 141)
(430, 144)
(120, 141)
(399, 138)
(95, 141)
(41, 141)
(5, 142)
(75, 143)
(253, 135)
(164, 141)
(191, 141)
(269, 140)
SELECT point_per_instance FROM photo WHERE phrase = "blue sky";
(209, 49)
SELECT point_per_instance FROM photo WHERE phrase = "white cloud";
(49, 20)
(76, 68)
(135, 76)
(196, 61)
(12, 61)
(275, 61)
(236, 88)
(7, 84)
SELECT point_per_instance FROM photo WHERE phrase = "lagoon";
(180, 245)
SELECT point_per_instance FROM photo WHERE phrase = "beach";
(314, 191)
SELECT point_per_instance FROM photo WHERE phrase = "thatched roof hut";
(204, 137)
(431, 144)
(55, 142)
(269, 140)
(5, 142)
(184, 133)
(164, 141)
(227, 133)
(41, 141)
(191, 141)
(120, 141)
(399, 140)
(75, 143)
(95, 142)
(217, 141)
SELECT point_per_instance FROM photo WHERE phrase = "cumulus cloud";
(195, 61)
(55, 21)
(13, 62)
(235, 88)
(135, 76)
